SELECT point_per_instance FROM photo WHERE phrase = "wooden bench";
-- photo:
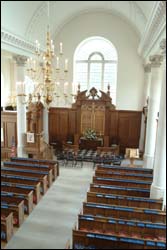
(54, 165)
(6, 225)
(24, 183)
(17, 207)
(129, 213)
(28, 197)
(27, 173)
(36, 169)
(123, 170)
(120, 227)
(117, 174)
(123, 200)
(122, 182)
(109, 189)
(89, 240)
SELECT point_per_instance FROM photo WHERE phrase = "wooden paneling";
(129, 123)
(62, 122)
(113, 131)
(72, 122)
(9, 125)
(122, 125)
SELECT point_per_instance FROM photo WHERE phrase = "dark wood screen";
(117, 126)
(8, 130)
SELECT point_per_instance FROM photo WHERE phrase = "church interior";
(83, 124)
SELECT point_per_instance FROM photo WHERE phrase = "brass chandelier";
(46, 72)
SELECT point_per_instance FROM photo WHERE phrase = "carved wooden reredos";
(93, 108)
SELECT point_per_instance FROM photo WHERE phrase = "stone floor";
(50, 224)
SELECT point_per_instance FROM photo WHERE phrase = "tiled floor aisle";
(50, 224)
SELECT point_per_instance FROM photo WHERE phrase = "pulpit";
(34, 138)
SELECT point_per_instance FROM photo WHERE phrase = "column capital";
(147, 68)
(20, 60)
(156, 60)
(163, 47)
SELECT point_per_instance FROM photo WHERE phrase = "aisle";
(50, 224)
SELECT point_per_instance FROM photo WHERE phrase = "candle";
(28, 63)
(61, 48)
(57, 62)
(52, 48)
(66, 65)
(44, 62)
(36, 46)
(34, 64)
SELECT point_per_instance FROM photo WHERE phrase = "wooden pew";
(27, 173)
(108, 189)
(117, 174)
(36, 169)
(89, 240)
(17, 208)
(28, 198)
(24, 183)
(6, 225)
(54, 165)
(121, 227)
(123, 200)
(122, 212)
(122, 182)
(123, 170)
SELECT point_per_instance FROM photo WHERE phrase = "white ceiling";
(27, 18)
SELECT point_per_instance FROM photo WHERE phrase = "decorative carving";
(147, 68)
(20, 60)
(155, 25)
(156, 60)
(163, 47)
(104, 100)
(9, 38)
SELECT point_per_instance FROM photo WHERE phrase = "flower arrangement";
(90, 134)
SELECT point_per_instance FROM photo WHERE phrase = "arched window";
(95, 65)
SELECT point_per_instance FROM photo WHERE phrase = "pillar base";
(158, 193)
(21, 152)
(148, 161)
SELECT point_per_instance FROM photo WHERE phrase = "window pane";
(96, 57)
(102, 64)
(95, 75)
(81, 75)
(110, 73)
(96, 44)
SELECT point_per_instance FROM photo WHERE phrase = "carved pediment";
(102, 99)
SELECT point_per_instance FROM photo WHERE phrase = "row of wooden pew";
(23, 182)
(118, 213)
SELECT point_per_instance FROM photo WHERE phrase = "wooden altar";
(90, 144)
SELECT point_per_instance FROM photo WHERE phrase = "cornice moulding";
(154, 28)
(15, 41)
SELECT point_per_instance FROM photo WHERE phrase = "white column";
(21, 107)
(158, 188)
(147, 80)
(153, 108)
(45, 124)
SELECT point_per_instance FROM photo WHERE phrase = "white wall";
(130, 79)
(8, 71)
